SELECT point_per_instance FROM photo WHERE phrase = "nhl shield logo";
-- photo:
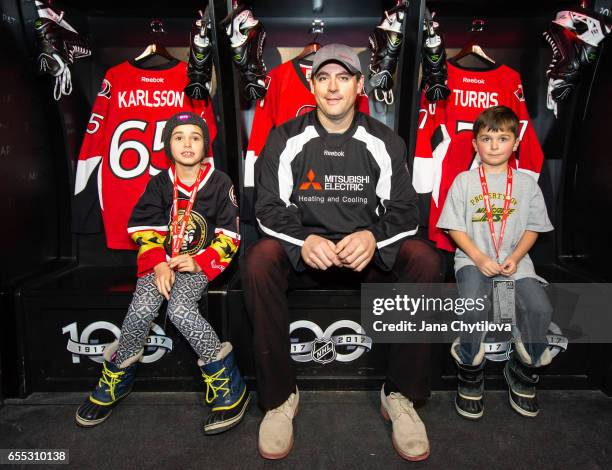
(323, 351)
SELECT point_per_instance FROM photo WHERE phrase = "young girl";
(186, 226)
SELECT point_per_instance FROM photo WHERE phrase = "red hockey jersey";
(288, 96)
(444, 136)
(123, 146)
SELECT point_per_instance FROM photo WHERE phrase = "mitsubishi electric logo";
(336, 182)
(346, 182)
(311, 182)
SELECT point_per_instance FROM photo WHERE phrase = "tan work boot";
(276, 429)
(409, 435)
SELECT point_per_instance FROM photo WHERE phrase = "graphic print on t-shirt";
(480, 213)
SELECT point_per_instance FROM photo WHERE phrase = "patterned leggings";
(182, 310)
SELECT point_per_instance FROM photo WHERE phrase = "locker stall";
(64, 293)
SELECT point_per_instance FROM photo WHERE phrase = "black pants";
(267, 275)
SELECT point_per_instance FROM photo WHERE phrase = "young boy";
(185, 223)
(494, 214)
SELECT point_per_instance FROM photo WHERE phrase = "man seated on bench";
(334, 199)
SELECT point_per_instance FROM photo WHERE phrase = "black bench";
(81, 307)
(337, 308)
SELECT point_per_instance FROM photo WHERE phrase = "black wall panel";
(588, 175)
(34, 179)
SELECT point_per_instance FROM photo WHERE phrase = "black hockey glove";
(386, 44)
(60, 45)
(199, 68)
(574, 37)
(247, 37)
(435, 76)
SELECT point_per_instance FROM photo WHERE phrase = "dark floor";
(333, 430)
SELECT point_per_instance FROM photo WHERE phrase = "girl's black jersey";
(211, 236)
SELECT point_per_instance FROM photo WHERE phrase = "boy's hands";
(185, 264)
(487, 266)
(164, 279)
(508, 267)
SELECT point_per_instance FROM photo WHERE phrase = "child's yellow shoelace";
(111, 379)
(211, 387)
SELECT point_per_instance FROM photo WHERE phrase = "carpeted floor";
(341, 430)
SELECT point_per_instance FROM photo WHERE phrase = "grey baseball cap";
(340, 53)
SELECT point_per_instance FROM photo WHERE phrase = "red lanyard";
(489, 211)
(178, 232)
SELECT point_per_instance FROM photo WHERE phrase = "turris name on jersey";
(444, 136)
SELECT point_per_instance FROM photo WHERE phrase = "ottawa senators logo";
(519, 93)
(106, 89)
(195, 232)
(304, 109)
(232, 196)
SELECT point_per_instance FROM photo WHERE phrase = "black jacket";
(310, 181)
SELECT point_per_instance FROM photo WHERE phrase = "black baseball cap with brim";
(339, 53)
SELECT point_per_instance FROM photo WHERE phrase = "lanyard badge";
(489, 210)
(503, 301)
(503, 289)
(178, 228)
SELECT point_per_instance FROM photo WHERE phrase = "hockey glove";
(574, 37)
(60, 45)
(386, 43)
(435, 76)
(247, 37)
(199, 68)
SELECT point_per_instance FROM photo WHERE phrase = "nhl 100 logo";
(84, 345)
(323, 348)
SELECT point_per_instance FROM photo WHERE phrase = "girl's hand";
(164, 279)
(185, 264)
